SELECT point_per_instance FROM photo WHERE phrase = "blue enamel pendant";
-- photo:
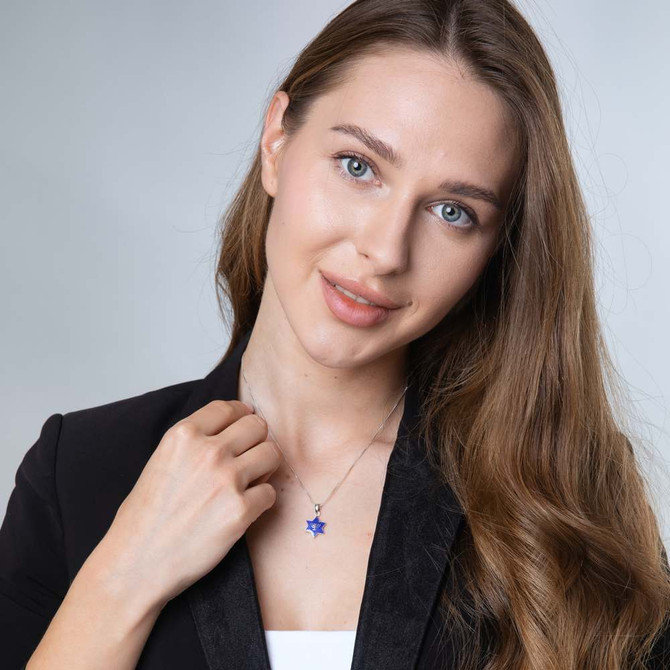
(314, 526)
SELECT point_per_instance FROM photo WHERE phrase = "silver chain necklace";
(315, 525)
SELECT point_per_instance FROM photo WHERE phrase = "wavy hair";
(561, 557)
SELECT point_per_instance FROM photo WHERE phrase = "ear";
(272, 140)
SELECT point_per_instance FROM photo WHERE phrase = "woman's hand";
(202, 487)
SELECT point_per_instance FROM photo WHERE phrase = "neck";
(321, 406)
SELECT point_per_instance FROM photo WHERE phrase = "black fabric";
(73, 479)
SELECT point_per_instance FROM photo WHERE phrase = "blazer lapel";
(418, 520)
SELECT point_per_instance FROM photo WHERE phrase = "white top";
(309, 649)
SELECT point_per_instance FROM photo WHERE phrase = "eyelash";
(359, 157)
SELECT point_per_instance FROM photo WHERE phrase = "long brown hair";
(561, 556)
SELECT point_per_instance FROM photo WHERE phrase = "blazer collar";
(417, 522)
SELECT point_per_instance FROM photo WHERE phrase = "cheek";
(310, 205)
(300, 233)
(447, 272)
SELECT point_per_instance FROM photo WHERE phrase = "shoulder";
(135, 420)
(100, 453)
(122, 430)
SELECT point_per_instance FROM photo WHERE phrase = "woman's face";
(383, 216)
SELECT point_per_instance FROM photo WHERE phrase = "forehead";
(429, 109)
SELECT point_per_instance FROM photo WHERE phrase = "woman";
(481, 506)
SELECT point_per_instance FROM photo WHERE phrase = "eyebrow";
(388, 153)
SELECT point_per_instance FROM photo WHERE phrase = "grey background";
(125, 127)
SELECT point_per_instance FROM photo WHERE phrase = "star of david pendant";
(314, 526)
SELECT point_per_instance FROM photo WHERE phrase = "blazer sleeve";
(33, 572)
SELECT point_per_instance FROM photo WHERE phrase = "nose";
(385, 236)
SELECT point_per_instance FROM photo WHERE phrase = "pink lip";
(359, 289)
(350, 311)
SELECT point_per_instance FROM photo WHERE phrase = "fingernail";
(251, 407)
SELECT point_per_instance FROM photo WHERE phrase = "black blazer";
(73, 479)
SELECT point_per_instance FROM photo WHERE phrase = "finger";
(246, 432)
(260, 480)
(217, 415)
(260, 498)
(262, 460)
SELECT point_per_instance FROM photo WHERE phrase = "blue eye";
(453, 210)
(356, 166)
